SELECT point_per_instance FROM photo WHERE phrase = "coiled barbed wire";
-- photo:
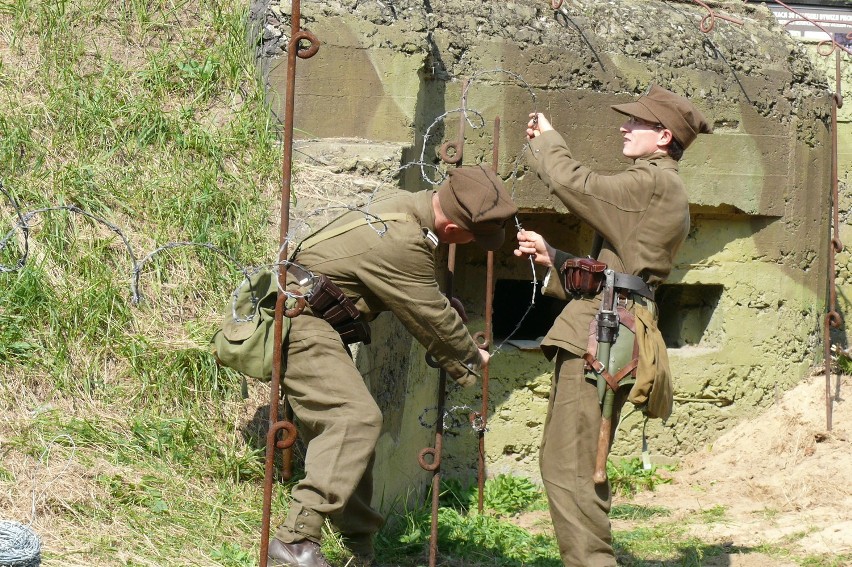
(452, 421)
(20, 546)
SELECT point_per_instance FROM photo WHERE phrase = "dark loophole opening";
(512, 298)
(686, 311)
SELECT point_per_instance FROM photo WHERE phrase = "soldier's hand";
(486, 356)
(533, 245)
(456, 304)
(537, 124)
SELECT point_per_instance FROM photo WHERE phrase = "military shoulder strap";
(327, 233)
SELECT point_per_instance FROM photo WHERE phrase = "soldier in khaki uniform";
(393, 271)
(642, 215)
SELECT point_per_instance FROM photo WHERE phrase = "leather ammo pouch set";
(328, 302)
(583, 276)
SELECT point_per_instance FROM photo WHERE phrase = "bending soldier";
(641, 216)
(394, 271)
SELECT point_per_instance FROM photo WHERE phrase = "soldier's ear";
(665, 138)
(454, 234)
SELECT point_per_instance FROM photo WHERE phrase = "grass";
(147, 118)
(127, 126)
(629, 476)
(467, 537)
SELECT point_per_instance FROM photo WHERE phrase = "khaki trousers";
(340, 423)
(579, 508)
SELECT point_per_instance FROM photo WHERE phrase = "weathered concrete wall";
(843, 261)
(742, 307)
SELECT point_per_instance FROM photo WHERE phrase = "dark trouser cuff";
(301, 523)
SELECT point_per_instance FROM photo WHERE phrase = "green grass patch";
(467, 537)
(668, 543)
(127, 126)
(839, 560)
(503, 495)
(629, 476)
(713, 515)
(635, 512)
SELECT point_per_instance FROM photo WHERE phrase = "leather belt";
(633, 284)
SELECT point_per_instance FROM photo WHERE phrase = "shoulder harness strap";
(324, 234)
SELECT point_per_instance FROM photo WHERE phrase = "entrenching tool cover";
(653, 391)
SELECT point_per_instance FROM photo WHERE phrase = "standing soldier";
(641, 216)
(382, 261)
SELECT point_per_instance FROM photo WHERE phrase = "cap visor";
(636, 109)
(492, 240)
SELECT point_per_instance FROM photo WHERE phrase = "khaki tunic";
(395, 271)
(385, 265)
(643, 215)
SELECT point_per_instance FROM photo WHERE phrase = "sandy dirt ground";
(782, 481)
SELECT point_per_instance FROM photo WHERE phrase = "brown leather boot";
(304, 553)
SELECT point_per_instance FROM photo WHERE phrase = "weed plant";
(629, 476)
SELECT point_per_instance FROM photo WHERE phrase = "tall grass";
(151, 117)
(148, 116)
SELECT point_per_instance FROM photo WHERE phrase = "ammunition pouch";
(583, 276)
(328, 302)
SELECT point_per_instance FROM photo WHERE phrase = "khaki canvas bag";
(653, 392)
(247, 344)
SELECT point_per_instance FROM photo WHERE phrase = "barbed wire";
(19, 545)
(512, 177)
(24, 225)
(710, 48)
(23, 228)
(471, 117)
(451, 421)
(565, 17)
(440, 175)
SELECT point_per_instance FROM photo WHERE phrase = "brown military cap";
(475, 199)
(671, 110)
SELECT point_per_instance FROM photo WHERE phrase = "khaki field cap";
(475, 199)
(672, 111)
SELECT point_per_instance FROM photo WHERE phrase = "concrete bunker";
(743, 304)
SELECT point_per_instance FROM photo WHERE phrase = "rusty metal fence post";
(832, 317)
(452, 152)
(294, 50)
(485, 340)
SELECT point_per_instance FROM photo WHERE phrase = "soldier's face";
(641, 138)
